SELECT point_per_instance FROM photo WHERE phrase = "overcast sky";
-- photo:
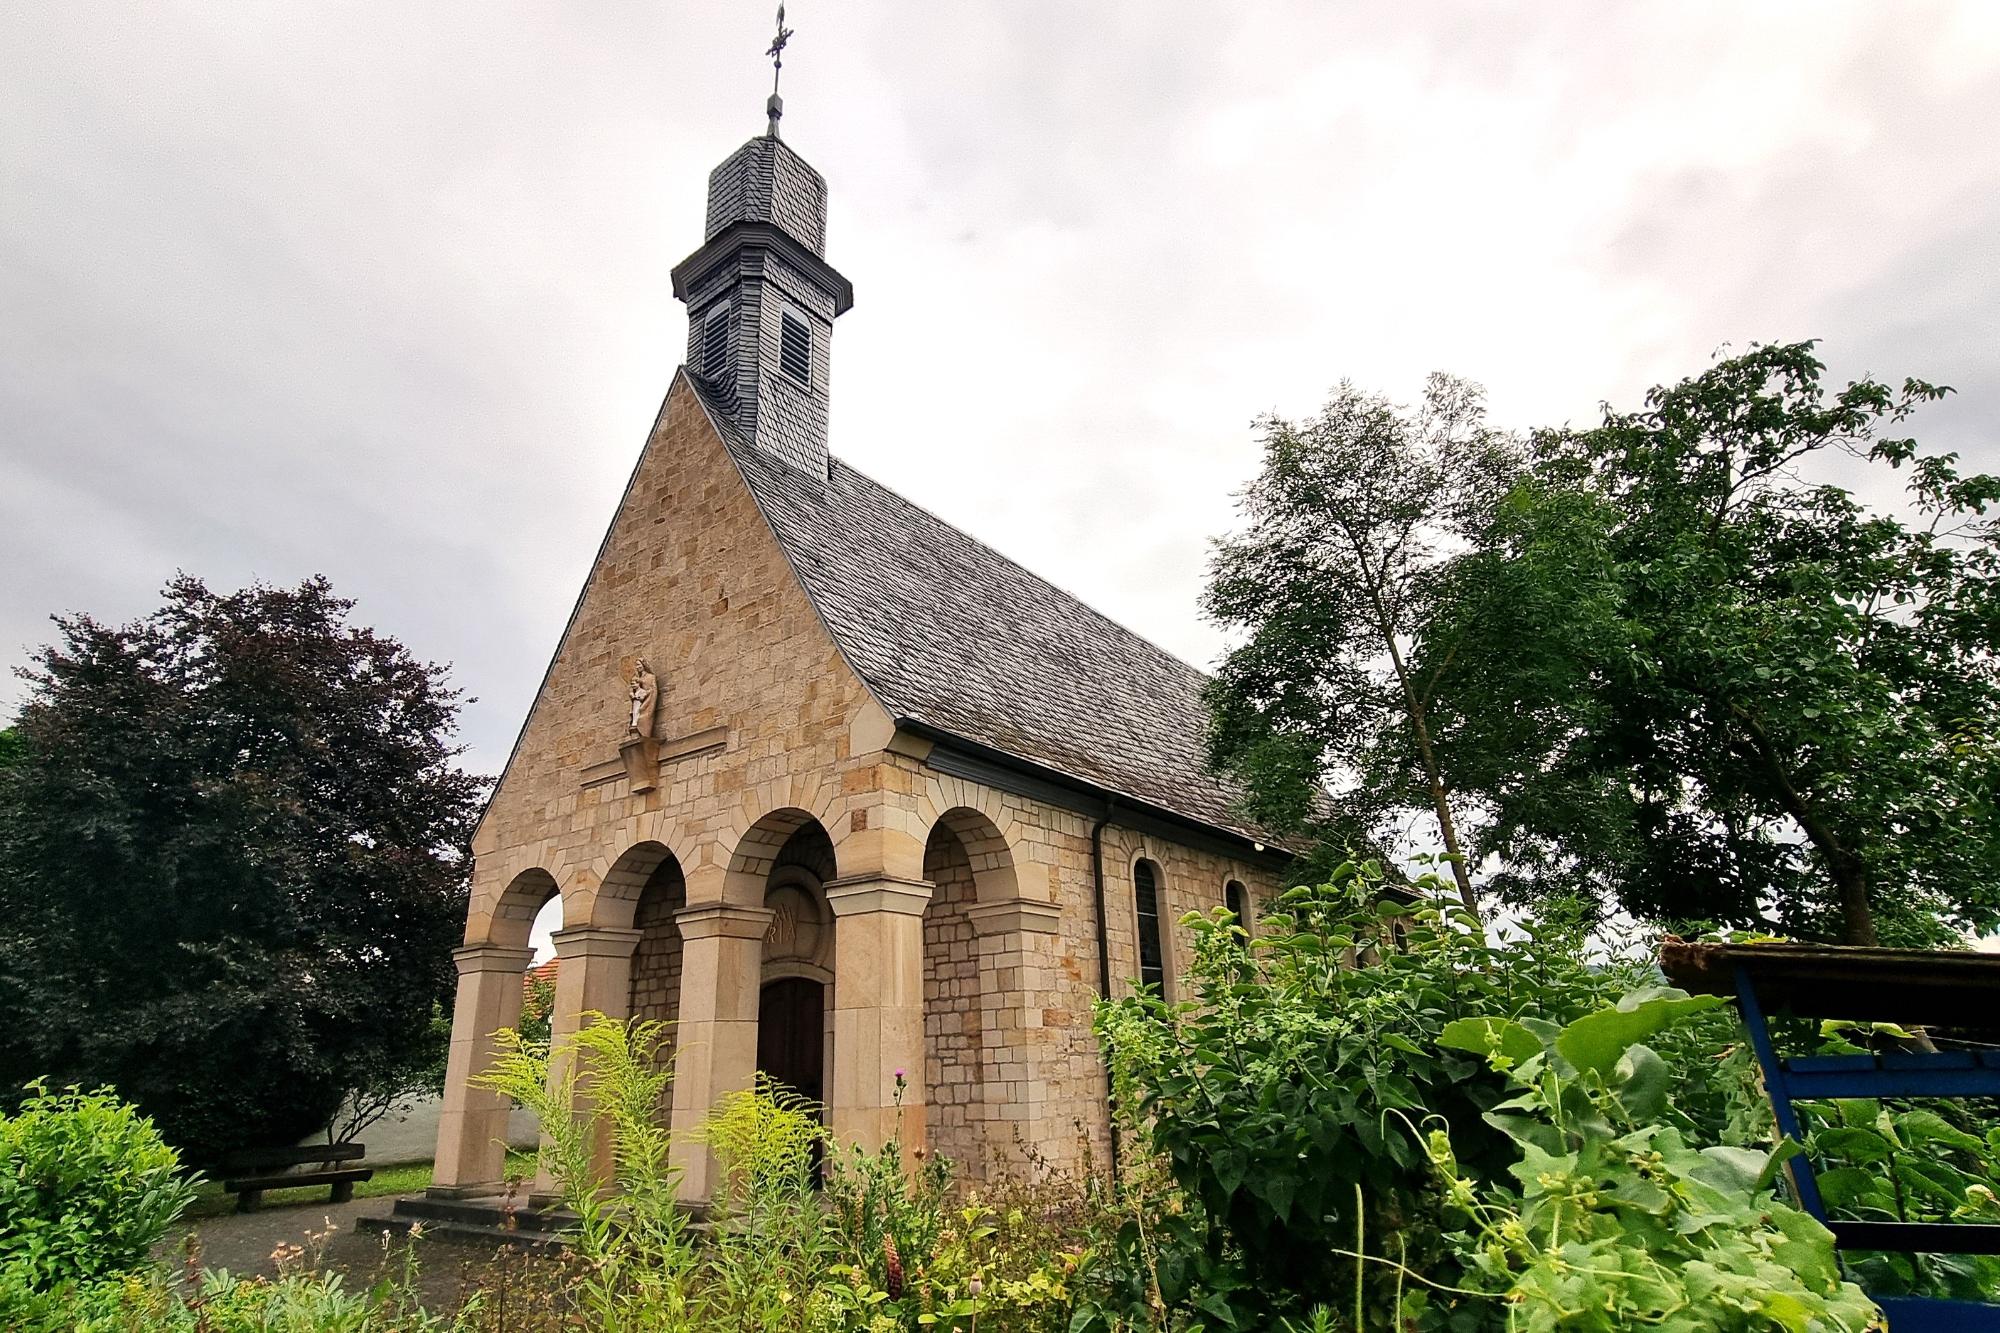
(381, 290)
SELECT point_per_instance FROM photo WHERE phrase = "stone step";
(461, 1233)
(485, 1210)
(483, 1221)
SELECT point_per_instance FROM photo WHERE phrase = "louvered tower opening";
(715, 344)
(795, 348)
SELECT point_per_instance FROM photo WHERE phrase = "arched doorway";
(793, 1013)
(791, 1035)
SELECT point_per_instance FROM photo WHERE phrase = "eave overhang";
(741, 237)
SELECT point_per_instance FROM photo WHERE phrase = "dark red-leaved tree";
(232, 862)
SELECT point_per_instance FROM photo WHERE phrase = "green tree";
(1684, 676)
(1331, 582)
(232, 861)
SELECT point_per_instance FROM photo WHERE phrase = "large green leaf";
(1854, 1144)
(1641, 1082)
(1491, 1037)
(1596, 1042)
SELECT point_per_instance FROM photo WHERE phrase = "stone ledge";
(708, 920)
(878, 893)
(670, 752)
(596, 942)
(492, 958)
(1020, 915)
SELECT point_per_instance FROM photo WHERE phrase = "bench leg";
(248, 1201)
(343, 1191)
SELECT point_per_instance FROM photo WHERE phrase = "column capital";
(474, 958)
(596, 942)
(856, 894)
(1014, 914)
(728, 920)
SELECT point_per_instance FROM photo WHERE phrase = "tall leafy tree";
(232, 861)
(1330, 583)
(1685, 676)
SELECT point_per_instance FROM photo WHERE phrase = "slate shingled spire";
(762, 299)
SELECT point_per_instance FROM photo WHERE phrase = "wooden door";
(790, 1034)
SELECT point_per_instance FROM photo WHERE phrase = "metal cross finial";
(776, 106)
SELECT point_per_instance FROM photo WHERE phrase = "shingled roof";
(956, 638)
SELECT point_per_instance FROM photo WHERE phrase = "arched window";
(1146, 895)
(1234, 899)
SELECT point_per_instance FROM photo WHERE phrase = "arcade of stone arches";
(783, 964)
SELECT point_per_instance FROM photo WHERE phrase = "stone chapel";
(835, 789)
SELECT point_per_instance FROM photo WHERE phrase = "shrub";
(87, 1187)
(1618, 1221)
(1901, 1162)
(1277, 1094)
(889, 1214)
(302, 1298)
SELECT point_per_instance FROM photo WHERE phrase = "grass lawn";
(410, 1179)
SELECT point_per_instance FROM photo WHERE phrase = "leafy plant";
(1280, 1093)
(599, 1096)
(538, 1006)
(1891, 1163)
(769, 1244)
(87, 1187)
(888, 1215)
(1617, 1220)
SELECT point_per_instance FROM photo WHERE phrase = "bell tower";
(760, 296)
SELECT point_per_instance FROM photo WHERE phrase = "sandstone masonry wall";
(759, 713)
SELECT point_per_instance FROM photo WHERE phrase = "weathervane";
(776, 106)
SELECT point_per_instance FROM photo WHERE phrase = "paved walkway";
(244, 1243)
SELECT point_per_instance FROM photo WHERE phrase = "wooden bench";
(248, 1174)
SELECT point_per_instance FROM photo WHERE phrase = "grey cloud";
(382, 290)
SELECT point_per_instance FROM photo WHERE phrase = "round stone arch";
(514, 913)
(778, 870)
(756, 852)
(989, 855)
(970, 866)
(644, 892)
(642, 866)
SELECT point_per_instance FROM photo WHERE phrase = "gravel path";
(244, 1243)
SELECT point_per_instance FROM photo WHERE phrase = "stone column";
(878, 1008)
(1019, 996)
(715, 1043)
(472, 1125)
(593, 975)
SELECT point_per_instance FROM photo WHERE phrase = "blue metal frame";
(1916, 1074)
